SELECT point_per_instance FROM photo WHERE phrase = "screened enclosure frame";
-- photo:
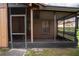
(76, 25)
(11, 33)
(31, 21)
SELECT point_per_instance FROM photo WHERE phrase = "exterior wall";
(3, 26)
(38, 30)
(47, 15)
(38, 34)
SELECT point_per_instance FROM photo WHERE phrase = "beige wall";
(3, 26)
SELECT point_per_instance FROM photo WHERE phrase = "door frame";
(25, 32)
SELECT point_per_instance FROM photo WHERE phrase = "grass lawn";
(3, 50)
(52, 52)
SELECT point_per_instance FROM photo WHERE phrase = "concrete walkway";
(16, 52)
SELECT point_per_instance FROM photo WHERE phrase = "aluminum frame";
(18, 33)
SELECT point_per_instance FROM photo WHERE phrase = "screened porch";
(41, 28)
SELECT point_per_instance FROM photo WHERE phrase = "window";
(45, 26)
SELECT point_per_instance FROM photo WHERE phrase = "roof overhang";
(61, 11)
(59, 8)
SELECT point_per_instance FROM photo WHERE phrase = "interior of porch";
(40, 26)
(46, 26)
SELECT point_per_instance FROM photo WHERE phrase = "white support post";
(25, 31)
(31, 25)
(54, 26)
(11, 31)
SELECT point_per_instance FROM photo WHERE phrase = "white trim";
(18, 33)
(11, 31)
(31, 25)
(25, 32)
(18, 15)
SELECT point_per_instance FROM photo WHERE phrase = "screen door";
(18, 31)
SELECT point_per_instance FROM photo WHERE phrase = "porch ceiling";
(61, 11)
(60, 15)
(50, 14)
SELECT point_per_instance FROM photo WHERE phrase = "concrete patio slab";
(16, 52)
